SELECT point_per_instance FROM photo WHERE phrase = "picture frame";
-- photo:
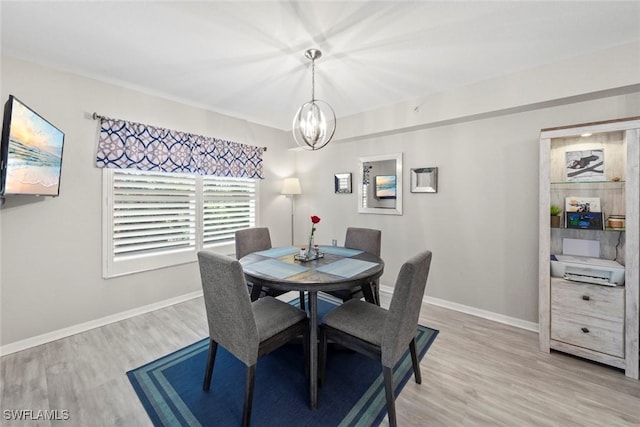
(424, 180)
(342, 183)
(385, 187)
(584, 165)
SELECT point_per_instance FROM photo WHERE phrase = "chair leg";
(415, 362)
(367, 291)
(255, 292)
(302, 300)
(248, 395)
(376, 292)
(388, 391)
(211, 360)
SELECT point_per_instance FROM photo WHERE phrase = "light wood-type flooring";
(477, 373)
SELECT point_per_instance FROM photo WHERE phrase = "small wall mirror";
(342, 182)
(380, 184)
(424, 180)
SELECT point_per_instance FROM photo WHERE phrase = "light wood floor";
(477, 373)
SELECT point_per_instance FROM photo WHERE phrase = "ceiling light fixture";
(315, 122)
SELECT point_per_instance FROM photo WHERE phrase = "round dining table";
(337, 268)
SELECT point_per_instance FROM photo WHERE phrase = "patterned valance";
(128, 145)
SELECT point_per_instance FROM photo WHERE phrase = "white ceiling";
(246, 59)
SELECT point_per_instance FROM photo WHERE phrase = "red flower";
(314, 220)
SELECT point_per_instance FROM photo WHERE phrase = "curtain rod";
(96, 116)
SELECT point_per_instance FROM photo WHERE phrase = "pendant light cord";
(313, 80)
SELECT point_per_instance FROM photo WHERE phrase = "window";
(154, 220)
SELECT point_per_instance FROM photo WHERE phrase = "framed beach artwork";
(385, 187)
(585, 165)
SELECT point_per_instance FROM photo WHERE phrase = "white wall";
(50, 271)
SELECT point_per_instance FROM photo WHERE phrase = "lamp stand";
(292, 202)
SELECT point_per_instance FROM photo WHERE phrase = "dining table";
(335, 268)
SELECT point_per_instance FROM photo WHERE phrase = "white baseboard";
(485, 314)
(92, 324)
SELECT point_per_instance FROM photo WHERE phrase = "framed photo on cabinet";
(585, 165)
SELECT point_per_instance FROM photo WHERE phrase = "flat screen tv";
(31, 152)
(385, 187)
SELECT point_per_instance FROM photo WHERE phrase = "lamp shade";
(291, 186)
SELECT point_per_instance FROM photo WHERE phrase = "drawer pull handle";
(586, 297)
(585, 330)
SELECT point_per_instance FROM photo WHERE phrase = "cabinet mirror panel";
(380, 184)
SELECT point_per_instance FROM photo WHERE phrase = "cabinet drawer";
(604, 302)
(605, 336)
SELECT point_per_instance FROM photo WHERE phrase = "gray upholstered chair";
(254, 240)
(378, 333)
(246, 329)
(368, 240)
(257, 239)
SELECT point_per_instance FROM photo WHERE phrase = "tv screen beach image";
(34, 155)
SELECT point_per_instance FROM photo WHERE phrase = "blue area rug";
(170, 388)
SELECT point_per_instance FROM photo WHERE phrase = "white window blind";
(228, 205)
(153, 213)
(154, 220)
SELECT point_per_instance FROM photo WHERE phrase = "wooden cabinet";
(588, 316)
(593, 321)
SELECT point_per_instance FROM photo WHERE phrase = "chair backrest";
(252, 240)
(365, 239)
(402, 322)
(229, 313)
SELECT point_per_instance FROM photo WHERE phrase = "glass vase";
(310, 247)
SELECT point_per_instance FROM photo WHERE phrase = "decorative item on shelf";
(555, 212)
(616, 222)
(582, 204)
(585, 165)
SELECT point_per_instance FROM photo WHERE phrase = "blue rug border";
(368, 411)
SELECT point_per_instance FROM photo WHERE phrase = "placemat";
(346, 267)
(275, 268)
(338, 250)
(278, 252)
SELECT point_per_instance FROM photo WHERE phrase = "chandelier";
(315, 122)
